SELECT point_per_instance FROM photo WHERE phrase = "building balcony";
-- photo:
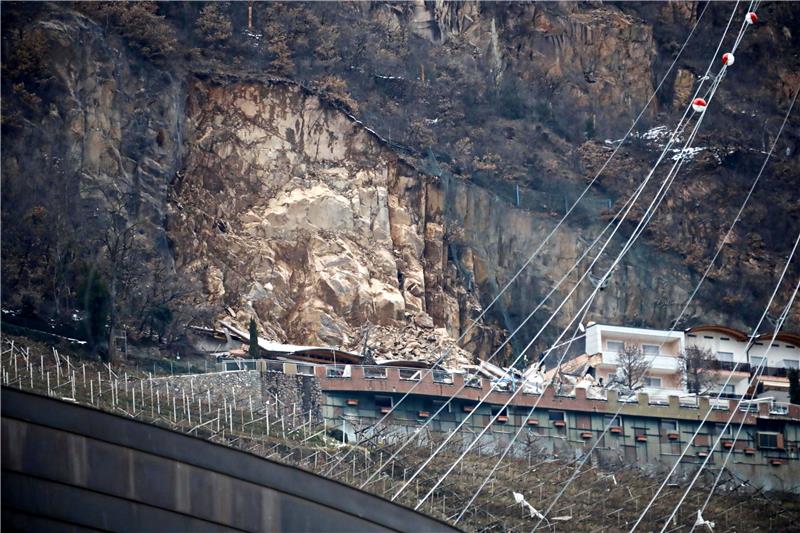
(659, 363)
(730, 365)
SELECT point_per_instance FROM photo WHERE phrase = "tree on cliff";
(213, 26)
(252, 350)
(697, 366)
(94, 300)
(139, 23)
(632, 367)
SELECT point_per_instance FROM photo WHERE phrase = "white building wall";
(777, 356)
(664, 366)
(592, 340)
(718, 342)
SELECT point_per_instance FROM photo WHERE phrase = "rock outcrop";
(294, 212)
(476, 126)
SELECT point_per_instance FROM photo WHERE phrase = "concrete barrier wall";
(69, 467)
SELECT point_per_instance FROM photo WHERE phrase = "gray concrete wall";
(71, 468)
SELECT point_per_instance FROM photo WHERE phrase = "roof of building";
(715, 328)
(404, 363)
(639, 332)
(311, 354)
(783, 336)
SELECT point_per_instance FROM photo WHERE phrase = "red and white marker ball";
(699, 105)
(751, 18)
(728, 59)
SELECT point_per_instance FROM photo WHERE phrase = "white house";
(729, 346)
(661, 348)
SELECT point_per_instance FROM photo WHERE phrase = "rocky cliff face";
(289, 210)
(231, 192)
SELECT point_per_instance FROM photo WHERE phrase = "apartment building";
(735, 360)
(730, 347)
(660, 347)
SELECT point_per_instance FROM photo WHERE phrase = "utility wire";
(728, 456)
(625, 211)
(640, 229)
(677, 320)
(702, 279)
(552, 316)
(751, 382)
(552, 232)
(749, 343)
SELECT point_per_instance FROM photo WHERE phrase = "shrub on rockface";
(214, 26)
(335, 88)
(138, 22)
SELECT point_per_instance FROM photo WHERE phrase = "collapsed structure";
(736, 355)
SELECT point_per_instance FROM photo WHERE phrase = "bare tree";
(633, 365)
(697, 366)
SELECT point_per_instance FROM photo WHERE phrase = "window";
(305, 370)
(612, 422)
(557, 416)
(757, 360)
(473, 381)
(724, 338)
(442, 376)
(438, 404)
(650, 349)
(501, 414)
(768, 440)
(726, 357)
(383, 403)
(336, 371)
(728, 389)
(409, 374)
(274, 366)
(653, 383)
(374, 372)
(791, 363)
(615, 346)
(669, 426)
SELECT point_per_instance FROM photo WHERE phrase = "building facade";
(734, 358)
(642, 431)
(660, 348)
(737, 359)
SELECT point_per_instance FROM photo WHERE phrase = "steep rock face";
(280, 205)
(97, 150)
(288, 209)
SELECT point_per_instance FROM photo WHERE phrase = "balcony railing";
(664, 362)
(730, 365)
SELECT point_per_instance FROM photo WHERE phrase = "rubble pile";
(412, 343)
